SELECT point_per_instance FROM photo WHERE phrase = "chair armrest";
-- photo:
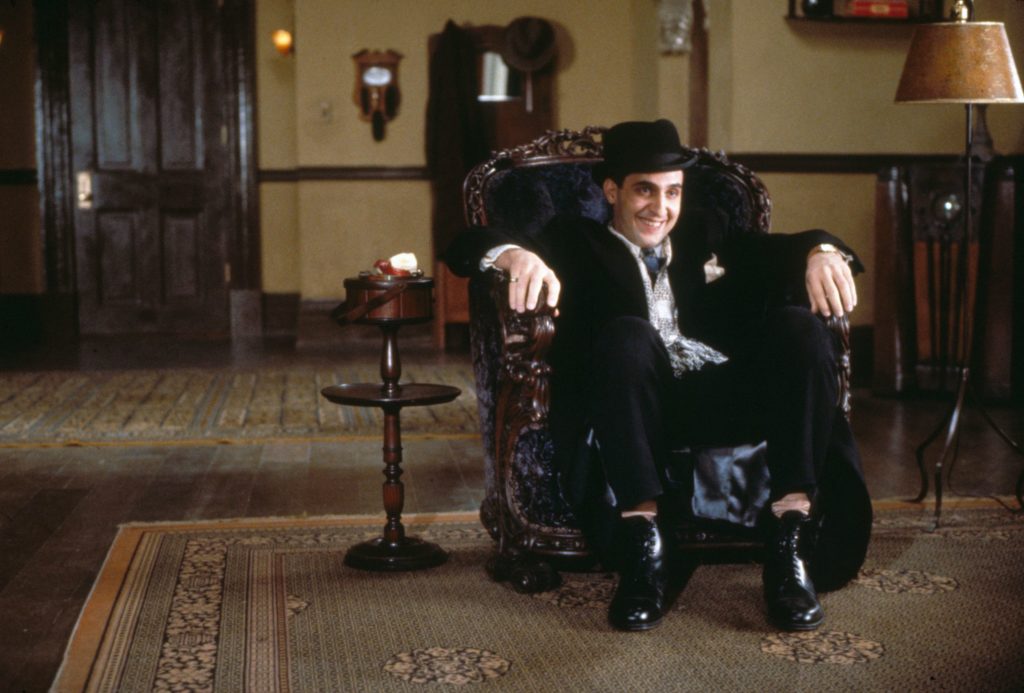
(840, 326)
(521, 407)
(523, 381)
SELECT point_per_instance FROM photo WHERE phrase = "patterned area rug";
(68, 408)
(268, 605)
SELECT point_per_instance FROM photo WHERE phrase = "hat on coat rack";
(528, 43)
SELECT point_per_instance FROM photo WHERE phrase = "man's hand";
(830, 283)
(527, 274)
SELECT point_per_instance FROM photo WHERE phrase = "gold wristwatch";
(829, 248)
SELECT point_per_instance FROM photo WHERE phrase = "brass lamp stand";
(968, 62)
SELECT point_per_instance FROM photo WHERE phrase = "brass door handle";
(84, 186)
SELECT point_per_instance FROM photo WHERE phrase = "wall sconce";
(376, 90)
(284, 42)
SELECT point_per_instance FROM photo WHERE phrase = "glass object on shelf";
(816, 8)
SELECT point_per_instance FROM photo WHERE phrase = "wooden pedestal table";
(390, 304)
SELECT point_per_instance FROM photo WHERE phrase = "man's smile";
(653, 223)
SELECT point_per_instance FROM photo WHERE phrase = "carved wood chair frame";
(522, 397)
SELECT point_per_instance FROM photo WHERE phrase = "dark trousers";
(783, 390)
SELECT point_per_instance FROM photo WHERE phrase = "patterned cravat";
(652, 261)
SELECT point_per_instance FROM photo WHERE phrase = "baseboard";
(21, 318)
(280, 314)
(28, 319)
(246, 313)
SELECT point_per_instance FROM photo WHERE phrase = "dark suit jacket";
(600, 281)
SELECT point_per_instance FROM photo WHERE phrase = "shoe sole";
(635, 629)
(797, 627)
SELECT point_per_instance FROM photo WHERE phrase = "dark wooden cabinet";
(919, 305)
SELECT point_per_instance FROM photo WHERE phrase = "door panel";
(147, 103)
(181, 90)
(115, 93)
(116, 238)
(181, 236)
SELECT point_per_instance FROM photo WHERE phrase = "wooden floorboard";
(52, 585)
(346, 478)
(175, 485)
(226, 486)
(26, 477)
(32, 526)
(276, 491)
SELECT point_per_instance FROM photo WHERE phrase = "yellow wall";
(279, 218)
(347, 225)
(275, 87)
(816, 88)
(840, 203)
(810, 87)
(607, 71)
(596, 39)
(776, 87)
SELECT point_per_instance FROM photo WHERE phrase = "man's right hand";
(527, 275)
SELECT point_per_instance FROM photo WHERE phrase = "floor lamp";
(968, 62)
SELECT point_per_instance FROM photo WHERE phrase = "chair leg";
(526, 574)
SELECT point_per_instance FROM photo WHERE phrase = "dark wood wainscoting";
(312, 173)
(832, 163)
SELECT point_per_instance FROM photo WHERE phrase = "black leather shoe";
(788, 592)
(639, 601)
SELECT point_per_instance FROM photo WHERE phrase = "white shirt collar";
(666, 246)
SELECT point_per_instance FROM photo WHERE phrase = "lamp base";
(951, 423)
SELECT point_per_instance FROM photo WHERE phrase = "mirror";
(498, 81)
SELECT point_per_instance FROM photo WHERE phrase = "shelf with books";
(865, 11)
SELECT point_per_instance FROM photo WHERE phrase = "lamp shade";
(960, 62)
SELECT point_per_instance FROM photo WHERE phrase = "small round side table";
(390, 303)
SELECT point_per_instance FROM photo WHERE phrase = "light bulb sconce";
(284, 42)
(376, 90)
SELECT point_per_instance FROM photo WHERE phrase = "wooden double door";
(158, 187)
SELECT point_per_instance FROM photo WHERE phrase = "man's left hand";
(830, 284)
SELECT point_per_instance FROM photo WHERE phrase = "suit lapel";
(685, 273)
(619, 263)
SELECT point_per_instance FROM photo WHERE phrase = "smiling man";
(645, 205)
(669, 333)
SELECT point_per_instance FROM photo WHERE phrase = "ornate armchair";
(723, 489)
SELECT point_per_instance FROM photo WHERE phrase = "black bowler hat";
(642, 147)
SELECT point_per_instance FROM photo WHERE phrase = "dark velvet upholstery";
(520, 190)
